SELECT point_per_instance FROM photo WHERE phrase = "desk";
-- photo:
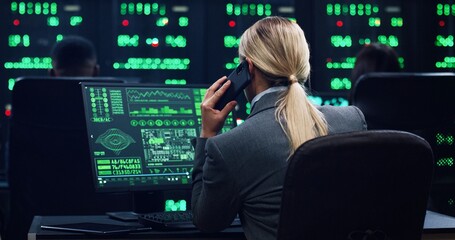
(35, 232)
(436, 226)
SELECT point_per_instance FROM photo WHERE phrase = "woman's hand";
(213, 119)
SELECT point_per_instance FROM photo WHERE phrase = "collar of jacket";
(266, 102)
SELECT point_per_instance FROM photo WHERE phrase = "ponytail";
(279, 50)
(298, 117)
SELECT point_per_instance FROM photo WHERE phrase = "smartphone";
(95, 228)
(240, 79)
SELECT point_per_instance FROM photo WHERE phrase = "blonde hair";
(278, 49)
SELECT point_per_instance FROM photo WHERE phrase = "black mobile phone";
(240, 79)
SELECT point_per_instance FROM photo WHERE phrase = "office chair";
(359, 185)
(421, 103)
(50, 171)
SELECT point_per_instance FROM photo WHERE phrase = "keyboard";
(172, 220)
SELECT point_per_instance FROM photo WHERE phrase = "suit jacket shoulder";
(343, 119)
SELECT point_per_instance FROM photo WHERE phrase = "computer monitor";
(47, 149)
(45, 98)
(140, 137)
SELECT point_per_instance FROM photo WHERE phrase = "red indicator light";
(8, 112)
(339, 23)
(125, 23)
(329, 60)
(232, 23)
(155, 42)
(16, 22)
(442, 23)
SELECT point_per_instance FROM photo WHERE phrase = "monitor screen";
(140, 135)
(53, 103)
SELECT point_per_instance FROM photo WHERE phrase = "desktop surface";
(36, 232)
(436, 226)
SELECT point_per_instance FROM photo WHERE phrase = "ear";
(52, 72)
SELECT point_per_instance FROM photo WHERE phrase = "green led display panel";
(444, 35)
(347, 27)
(158, 41)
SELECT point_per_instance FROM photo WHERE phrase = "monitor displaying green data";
(140, 135)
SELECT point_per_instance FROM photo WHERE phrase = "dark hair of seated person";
(375, 57)
(74, 56)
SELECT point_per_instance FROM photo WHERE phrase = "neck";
(258, 85)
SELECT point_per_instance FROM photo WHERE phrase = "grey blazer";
(242, 171)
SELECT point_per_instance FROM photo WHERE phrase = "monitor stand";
(123, 216)
(152, 201)
(143, 202)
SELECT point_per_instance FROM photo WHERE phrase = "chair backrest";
(349, 185)
(405, 101)
(50, 171)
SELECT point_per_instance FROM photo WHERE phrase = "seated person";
(375, 57)
(242, 171)
(74, 56)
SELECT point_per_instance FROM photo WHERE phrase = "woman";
(242, 171)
